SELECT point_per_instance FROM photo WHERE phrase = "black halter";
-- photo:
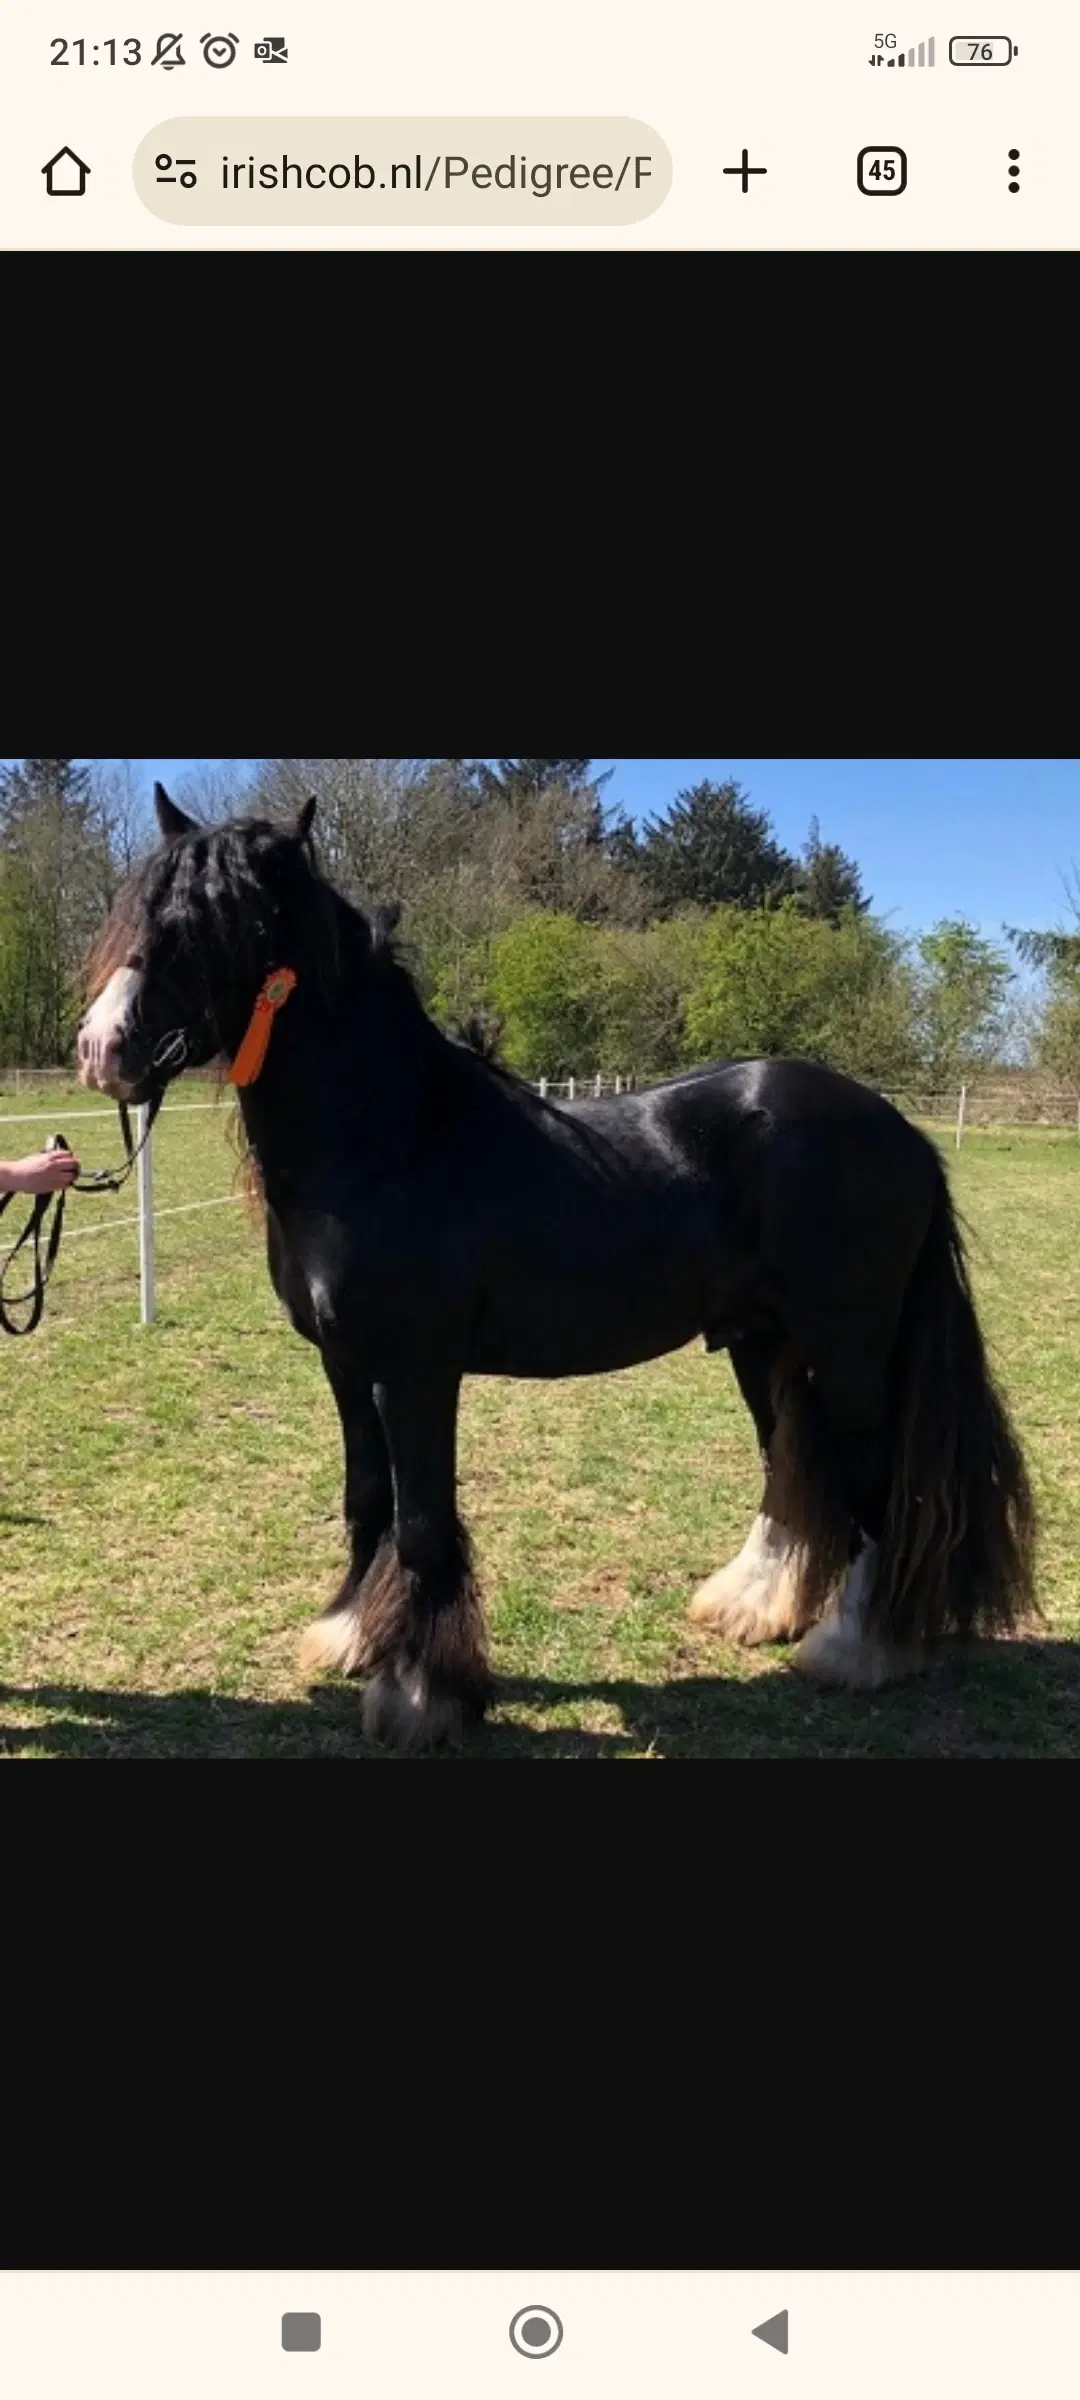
(170, 1052)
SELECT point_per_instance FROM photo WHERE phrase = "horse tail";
(956, 1553)
(804, 1490)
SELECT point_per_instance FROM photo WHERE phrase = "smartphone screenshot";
(514, 1266)
(616, 125)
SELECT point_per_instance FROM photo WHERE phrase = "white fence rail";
(583, 1087)
(990, 1106)
(146, 1216)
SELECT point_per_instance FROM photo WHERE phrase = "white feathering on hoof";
(839, 1650)
(332, 1645)
(755, 1598)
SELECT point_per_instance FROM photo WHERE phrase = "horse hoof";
(409, 1712)
(755, 1598)
(838, 1653)
(762, 1614)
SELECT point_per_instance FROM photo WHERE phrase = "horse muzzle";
(131, 1070)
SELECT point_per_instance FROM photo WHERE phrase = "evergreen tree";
(1057, 954)
(43, 784)
(1057, 950)
(828, 882)
(525, 778)
(50, 858)
(710, 850)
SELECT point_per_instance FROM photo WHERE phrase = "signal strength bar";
(925, 56)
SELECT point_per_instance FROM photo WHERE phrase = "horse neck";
(349, 1062)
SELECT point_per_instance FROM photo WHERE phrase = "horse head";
(190, 939)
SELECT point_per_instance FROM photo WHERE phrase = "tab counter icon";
(882, 173)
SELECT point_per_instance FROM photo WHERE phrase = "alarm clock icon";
(219, 49)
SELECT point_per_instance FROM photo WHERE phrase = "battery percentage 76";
(981, 50)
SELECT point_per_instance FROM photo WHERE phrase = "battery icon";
(981, 50)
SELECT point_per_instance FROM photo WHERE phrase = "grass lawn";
(170, 1504)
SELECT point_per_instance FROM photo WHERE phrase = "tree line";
(528, 897)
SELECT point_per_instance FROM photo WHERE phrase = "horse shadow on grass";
(1017, 1699)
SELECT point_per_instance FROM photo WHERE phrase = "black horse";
(429, 1216)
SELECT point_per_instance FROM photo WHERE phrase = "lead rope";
(32, 1232)
(100, 1179)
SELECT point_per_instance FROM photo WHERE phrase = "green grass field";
(170, 1505)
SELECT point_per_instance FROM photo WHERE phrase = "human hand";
(46, 1171)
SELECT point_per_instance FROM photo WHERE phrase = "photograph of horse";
(429, 1216)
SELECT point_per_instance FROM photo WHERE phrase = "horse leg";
(755, 1598)
(337, 1638)
(842, 1648)
(424, 1626)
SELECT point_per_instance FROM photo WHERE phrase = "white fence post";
(570, 1089)
(599, 1086)
(543, 1087)
(146, 1221)
(960, 1115)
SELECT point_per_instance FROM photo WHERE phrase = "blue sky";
(987, 839)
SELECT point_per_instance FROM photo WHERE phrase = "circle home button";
(536, 2332)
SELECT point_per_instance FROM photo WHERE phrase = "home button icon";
(65, 175)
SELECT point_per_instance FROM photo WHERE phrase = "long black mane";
(230, 896)
(482, 1035)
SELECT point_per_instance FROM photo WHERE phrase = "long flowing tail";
(957, 1550)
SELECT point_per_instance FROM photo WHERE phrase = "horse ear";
(171, 819)
(304, 818)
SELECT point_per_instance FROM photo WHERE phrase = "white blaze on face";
(103, 1029)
